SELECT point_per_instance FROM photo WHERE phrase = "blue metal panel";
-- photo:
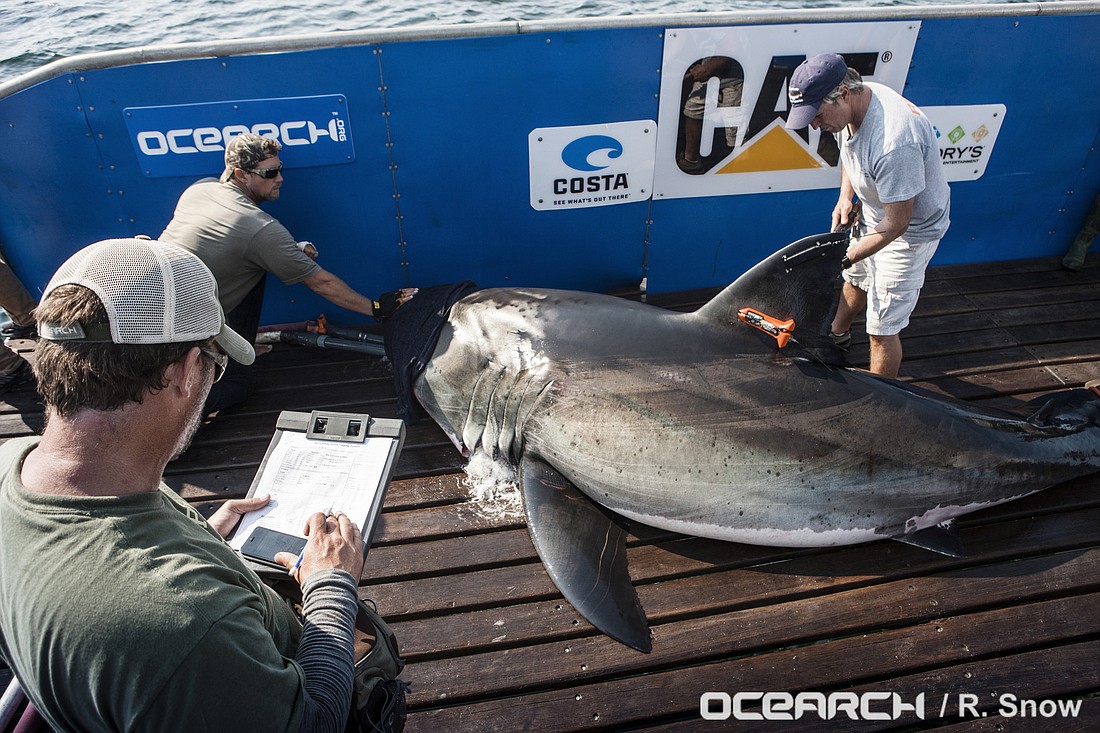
(1035, 192)
(461, 113)
(457, 113)
(347, 210)
(699, 242)
(52, 180)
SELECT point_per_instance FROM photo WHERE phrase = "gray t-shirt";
(237, 240)
(893, 157)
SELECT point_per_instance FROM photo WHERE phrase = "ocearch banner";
(724, 103)
(189, 139)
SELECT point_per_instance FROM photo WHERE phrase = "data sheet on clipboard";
(305, 476)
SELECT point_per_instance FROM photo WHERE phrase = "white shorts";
(729, 95)
(892, 279)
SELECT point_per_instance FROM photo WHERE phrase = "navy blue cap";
(811, 81)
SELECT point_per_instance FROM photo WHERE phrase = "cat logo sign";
(724, 104)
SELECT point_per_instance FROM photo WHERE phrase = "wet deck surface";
(492, 646)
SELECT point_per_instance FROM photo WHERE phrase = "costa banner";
(591, 165)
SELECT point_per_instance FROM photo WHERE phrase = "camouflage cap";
(247, 150)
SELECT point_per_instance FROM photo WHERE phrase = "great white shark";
(700, 424)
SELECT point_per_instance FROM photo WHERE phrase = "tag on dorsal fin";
(778, 329)
(943, 538)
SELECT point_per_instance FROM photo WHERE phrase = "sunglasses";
(221, 361)
(266, 173)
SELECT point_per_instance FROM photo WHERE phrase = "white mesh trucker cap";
(154, 293)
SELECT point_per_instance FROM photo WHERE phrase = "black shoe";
(12, 331)
(22, 375)
(689, 166)
(842, 341)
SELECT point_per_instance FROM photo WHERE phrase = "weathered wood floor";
(492, 646)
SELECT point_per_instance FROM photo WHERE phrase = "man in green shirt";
(121, 609)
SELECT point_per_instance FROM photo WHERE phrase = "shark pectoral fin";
(943, 538)
(584, 552)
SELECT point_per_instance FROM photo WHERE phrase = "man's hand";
(387, 303)
(892, 226)
(704, 70)
(309, 249)
(846, 215)
(334, 542)
(228, 514)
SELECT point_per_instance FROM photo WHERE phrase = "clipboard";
(318, 461)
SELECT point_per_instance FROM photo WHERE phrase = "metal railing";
(335, 39)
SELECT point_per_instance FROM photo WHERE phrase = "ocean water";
(36, 32)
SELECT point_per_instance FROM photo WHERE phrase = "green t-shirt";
(131, 614)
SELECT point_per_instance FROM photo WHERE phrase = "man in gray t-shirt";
(890, 162)
(221, 222)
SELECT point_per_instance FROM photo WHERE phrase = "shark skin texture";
(699, 423)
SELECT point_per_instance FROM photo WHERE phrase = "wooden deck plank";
(662, 556)
(1012, 274)
(615, 704)
(1087, 721)
(697, 577)
(1015, 357)
(1012, 382)
(974, 690)
(1022, 675)
(788, 608)
(509, 623)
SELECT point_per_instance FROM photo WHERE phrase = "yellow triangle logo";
(776, 150)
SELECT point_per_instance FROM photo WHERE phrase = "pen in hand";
(298, 563)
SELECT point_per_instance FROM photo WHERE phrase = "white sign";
(966, 135)
(591, 165)
(724, 103)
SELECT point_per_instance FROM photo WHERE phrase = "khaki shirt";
(237, 240)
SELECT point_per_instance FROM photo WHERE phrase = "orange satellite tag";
(779, 330)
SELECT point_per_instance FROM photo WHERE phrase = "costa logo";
(591, 152)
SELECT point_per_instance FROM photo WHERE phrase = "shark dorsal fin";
(799, 282)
